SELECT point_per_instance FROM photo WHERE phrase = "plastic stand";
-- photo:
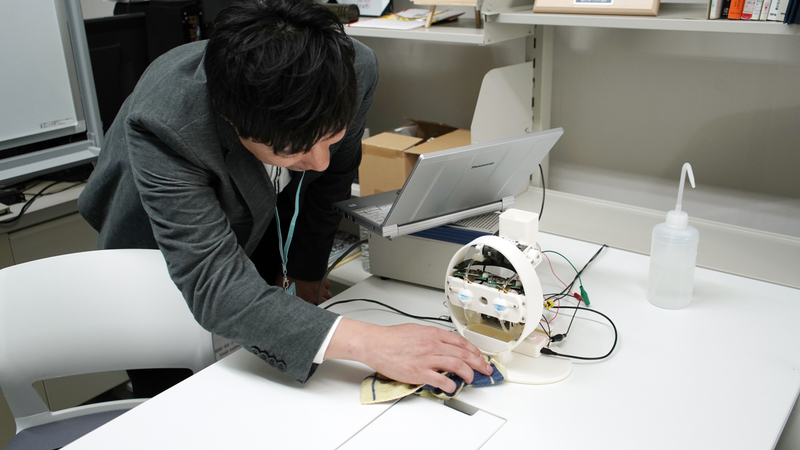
(524, 369)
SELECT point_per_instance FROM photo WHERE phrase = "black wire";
(569, 327)
(548, 330)
(332, 266)
(66, 188)
(596, 254)
(565, 292)
(577, 277)
(28, 205)
(547, 350)
(339, 302)
(541, 210)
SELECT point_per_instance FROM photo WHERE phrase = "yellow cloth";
(377, 388)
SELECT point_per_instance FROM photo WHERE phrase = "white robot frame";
(500, 319)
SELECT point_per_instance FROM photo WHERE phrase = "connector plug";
(532, 345)
(585, 296)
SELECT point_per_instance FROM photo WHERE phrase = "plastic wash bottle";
(673, 254)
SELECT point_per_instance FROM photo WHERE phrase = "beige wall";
(433, 81)
(640, 103)
(96, 8)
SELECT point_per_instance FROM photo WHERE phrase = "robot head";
(493, 294)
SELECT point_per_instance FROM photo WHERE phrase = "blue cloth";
(376, 388)
(478, 380)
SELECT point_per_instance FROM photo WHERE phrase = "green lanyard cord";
(284, 249)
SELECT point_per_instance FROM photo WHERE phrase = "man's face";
(317, 159)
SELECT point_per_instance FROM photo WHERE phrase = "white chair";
(83, 313)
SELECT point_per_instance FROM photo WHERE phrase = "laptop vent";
(486, 222)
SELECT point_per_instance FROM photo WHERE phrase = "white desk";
(722, 373)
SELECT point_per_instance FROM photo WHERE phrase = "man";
(218, 137)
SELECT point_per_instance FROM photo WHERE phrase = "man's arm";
(206, 261)
(408, 353)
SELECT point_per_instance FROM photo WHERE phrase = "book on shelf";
(777, 10)
(791, 15)
(715, 9)
(341, 242)
(735, 11)
(747, 9)
(726, 7)
(407, 19)
(765, 10)
(757, 9)
(773, 9)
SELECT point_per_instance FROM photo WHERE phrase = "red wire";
(562, 282)
(553, 270)
(558, 308)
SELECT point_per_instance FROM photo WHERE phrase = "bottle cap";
(677, 219)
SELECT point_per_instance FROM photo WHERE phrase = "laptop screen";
(458, 179)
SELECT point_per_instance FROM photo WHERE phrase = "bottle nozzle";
(677, 218)
(686, 168)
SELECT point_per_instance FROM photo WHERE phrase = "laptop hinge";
(390, 231)
(507, 202)
(444, 220)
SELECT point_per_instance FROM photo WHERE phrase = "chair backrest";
(91, 312)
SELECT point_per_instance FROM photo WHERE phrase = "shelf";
(671, 16)
(53, 204)
(461, 31)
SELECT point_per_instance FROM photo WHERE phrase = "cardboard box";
(387, 158)
(613, 7)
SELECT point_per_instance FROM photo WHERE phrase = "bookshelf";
(671, 16)
(461, 31)
(680, 27)
(506, 23)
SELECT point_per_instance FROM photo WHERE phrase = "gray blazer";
(172, 175)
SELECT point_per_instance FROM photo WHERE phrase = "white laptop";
(453, 184)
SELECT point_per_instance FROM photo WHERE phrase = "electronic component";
(11, 196)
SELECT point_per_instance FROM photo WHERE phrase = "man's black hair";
(281, 72)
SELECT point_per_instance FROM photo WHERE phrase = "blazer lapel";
(251, 179)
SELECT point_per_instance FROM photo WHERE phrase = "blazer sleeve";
(219, 282)
(317, 221)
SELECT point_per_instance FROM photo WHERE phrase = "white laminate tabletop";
(721, 373)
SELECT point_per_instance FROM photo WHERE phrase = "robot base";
(524, 369)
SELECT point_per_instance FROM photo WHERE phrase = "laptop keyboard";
(376, 214)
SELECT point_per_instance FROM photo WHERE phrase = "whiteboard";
(35, 90)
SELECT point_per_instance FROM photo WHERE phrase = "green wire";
(570, 263)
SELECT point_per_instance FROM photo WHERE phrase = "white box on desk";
(410, 258)
(424, 259)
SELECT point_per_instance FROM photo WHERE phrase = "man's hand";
(409, 353)
(307, 290)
